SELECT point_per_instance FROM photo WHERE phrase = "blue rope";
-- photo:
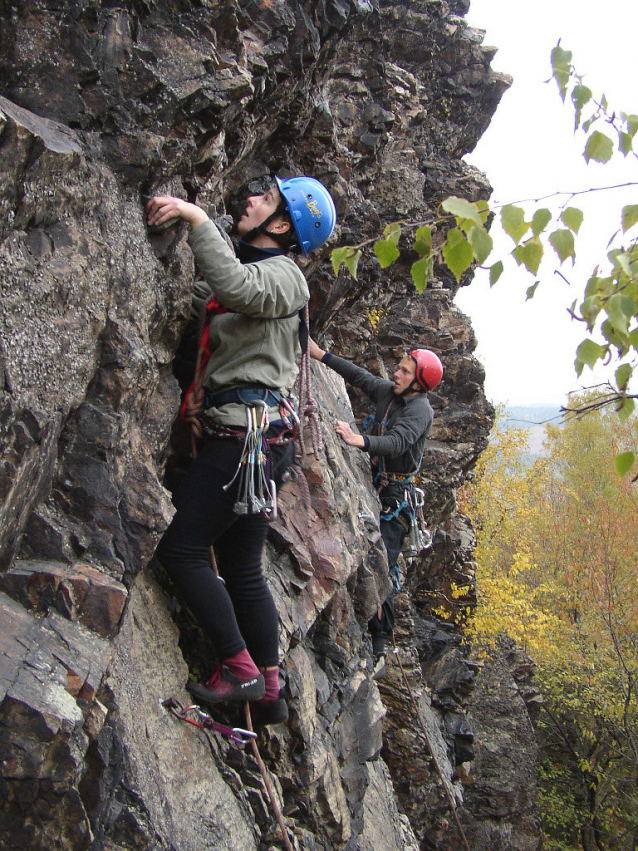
(396, 512)
(396, 577)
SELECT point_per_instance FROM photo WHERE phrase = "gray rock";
(100, 107)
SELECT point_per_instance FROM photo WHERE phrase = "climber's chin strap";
(415, 387)
(262, 229)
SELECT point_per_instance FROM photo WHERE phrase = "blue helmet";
(311, 209)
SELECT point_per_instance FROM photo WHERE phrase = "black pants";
(240, 613)
(393, 534)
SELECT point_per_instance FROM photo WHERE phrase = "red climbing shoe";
(225, 687)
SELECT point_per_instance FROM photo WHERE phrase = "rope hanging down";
(238, 735)
(267, 783)
(307, 404)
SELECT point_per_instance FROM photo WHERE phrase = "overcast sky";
(530, 151)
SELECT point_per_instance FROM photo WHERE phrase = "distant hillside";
(533, 418)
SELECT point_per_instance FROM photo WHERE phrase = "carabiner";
(239, 733)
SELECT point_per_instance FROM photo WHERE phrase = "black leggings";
(240, 613)
(393, 534)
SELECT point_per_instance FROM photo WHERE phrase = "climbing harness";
(205, 722)
(450, 799)
(257, 491)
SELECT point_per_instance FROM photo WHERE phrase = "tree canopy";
(557, 553)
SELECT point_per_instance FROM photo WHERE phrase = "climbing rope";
(240, 736)
(307, 404)
(448, 795)
(267, 783)
(203, 721)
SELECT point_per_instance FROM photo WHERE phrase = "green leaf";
(561, 68)
(423, 240)
(496, 270)
(529, 254)
(587, 354)
(599, 286)
(484, 209)
(352, 261)
(573, 218)
(611, 335)
(631, 122)
(513, 221)
(540, 220)
(386, 251)
(625, 143)
(529, 293)
(457, 253)
(621, 260)
(629, 216)
(628, 306)
(562, 241)
(615, 311)
(623, 374)
(420, 273)
(392, 232)
(589, 310)
(338, 256)
(626, 409)
(599, 147)
(624, 462)
(581, 95)
(462, 209)
(481, 242)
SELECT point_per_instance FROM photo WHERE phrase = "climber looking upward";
(238, 409)
(401, 423)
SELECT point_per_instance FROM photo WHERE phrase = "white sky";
(530, 151)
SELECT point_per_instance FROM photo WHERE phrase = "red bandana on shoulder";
(214, 308)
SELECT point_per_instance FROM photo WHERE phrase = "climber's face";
(258, 208)
(404, 375)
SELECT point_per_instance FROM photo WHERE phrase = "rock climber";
(239, 410)
(401, 423)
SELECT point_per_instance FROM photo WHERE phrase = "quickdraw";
(205, 722)
(419, 538)
(257, 492)
(235, 734)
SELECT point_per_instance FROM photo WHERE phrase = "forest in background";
(557, 553)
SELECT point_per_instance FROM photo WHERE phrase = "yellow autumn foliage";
(557, 559)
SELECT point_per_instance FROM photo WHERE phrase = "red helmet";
(429, 369)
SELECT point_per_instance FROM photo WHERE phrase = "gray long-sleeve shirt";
(406, 420)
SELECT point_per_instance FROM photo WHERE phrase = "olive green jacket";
(252, 344)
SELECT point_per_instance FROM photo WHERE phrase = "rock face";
(102, 104)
